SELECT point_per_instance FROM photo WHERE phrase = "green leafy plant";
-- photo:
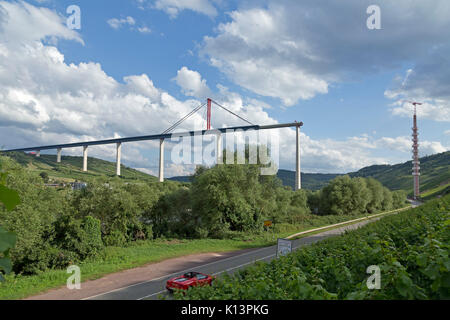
(10, 199)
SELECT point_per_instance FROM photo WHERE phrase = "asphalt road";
(155, 288)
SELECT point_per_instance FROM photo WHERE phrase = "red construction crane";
(208, 116)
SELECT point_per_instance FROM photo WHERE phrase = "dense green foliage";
(410, 248)
(9, 199)
(345, 195)
(60, 226)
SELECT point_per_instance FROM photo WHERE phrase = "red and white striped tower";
(415, 151)
(208, 115)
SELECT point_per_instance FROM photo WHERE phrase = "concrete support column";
(298, 178)
(219, 151)
(38, 153)
(85, 158)
(118, 155)
(161, 160)
(58, 155)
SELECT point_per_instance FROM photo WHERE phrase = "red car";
(187, 280)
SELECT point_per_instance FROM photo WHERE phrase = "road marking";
(244, 264)
(151, 295)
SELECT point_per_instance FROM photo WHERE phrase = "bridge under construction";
(167, 135)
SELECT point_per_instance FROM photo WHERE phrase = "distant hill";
(434, 172)
(181, 178)
(71, 168)
(311, 181)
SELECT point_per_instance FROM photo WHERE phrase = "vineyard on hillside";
(410, 248)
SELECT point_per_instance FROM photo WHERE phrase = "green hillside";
(70, 168)
(434, 169)
(434, 172)
(310, 181)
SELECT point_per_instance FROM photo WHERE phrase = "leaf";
(5, 265)
(422, 259)
(7, 240)
(10, 198)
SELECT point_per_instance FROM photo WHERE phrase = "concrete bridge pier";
(85, 155)
(58, 155)
(38, 153)
(118, 155)
(298, 178)
(219, 151)
(161, 160)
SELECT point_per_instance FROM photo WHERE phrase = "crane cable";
(196, 110)
(232, 112)
(184, 118)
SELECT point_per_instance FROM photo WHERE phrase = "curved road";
(155, 288)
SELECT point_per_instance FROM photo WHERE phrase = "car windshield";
(180, 280)
(189, 275)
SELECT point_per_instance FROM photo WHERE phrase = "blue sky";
(272, 61)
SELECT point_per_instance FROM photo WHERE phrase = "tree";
(376, 192)
(236, 197)
(10, 199)
(344, 195)
(398, 199)
(387, 203)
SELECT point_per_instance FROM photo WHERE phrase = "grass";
(140, 253)
(432, 193)
(70, 168)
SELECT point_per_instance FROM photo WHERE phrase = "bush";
(82, 237)
(43, 257)
(115, 239)
(148, 229)
(345, 195)
(90, 237)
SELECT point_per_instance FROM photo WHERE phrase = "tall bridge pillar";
(298, 178)
(161, 160)
(58, 155)
(85, 158)
(38, 153)
(219, 157)
(118, 156)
